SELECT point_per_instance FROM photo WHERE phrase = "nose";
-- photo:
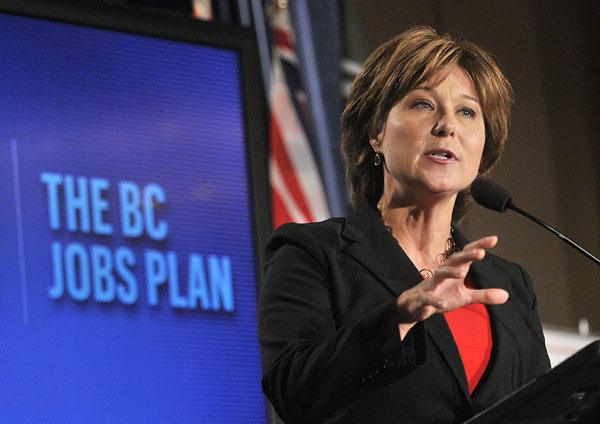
(444, 127)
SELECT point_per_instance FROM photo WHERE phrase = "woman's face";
(433, 138)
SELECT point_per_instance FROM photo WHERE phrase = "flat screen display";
(128, 286)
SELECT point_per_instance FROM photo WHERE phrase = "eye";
(422, 104)
(468, 112)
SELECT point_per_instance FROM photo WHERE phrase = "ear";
(376, 142)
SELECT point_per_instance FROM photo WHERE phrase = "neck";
(421, 230)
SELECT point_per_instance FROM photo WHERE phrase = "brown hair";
(397, 67)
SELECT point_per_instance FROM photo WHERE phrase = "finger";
(482, 243)
(446, 272)
(465, 257)
(458, 265)
(490, 296)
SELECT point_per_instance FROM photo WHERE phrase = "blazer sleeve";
(314, 368)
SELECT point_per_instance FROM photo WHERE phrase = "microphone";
(492, 195)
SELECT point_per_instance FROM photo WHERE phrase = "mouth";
(441, 154)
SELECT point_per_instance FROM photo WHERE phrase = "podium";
(566, 394)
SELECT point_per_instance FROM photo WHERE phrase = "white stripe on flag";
(279, 186)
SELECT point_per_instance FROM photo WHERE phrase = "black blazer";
(329, 335)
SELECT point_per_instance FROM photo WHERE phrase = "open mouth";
(441, 154)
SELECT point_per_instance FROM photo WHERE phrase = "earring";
(378, 159)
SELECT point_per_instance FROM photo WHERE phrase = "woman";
(390, 316)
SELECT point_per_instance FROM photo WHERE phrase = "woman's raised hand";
(446, 290)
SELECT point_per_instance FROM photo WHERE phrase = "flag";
(297, 191)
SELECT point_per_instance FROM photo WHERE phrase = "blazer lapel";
(502, 318)
(372, 245)
(442, 337)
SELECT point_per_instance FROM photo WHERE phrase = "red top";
(470, 326)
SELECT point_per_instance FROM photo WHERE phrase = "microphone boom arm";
(557, 233)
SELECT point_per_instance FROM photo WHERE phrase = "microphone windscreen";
(490, 194)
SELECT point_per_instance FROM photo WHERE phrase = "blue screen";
(128, 284)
